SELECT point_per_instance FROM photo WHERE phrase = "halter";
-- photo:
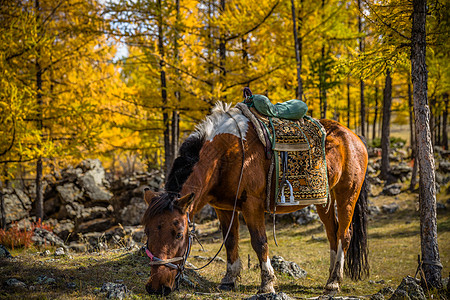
(155, 261)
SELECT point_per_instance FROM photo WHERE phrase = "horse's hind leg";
(328, 217)
(233, 262)
(254, 217)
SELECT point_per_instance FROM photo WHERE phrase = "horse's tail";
(356, 262)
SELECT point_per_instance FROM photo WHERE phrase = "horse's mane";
(189, 155)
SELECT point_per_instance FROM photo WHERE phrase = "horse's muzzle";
(163, 291)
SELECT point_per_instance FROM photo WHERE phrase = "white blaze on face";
(229, 125)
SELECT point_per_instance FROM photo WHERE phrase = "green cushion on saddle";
(292, 109)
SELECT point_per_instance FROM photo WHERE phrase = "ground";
(394, 245)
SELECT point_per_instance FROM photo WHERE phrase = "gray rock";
(374, 210)
(409, 288)
(78, 247)
(95, 225)
(207, 213)
(115, 290)
(392, 189)
(4, 252)
(71, 285)
(64, 228)
(45, 280)
(287, 267)
(69, 193)
(94, 191)
(95, 212)
(44, 237)
(382, 294)
(132, 214)
(374, 180)
(15, 210)
(444, 166)
(270, 296)
(304, 216)
(60, 252)
(389, 208)
(12, 282)
(46, 253)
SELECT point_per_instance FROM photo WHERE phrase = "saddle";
(297, 150)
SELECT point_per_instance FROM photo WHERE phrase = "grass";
(394, 244)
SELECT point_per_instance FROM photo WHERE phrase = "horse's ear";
(149, 195)
(185, 201)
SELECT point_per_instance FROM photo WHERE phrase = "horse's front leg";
(253, 212)
(233, 262)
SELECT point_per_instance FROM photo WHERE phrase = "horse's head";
(167, 230)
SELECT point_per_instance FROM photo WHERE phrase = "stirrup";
(291, 201)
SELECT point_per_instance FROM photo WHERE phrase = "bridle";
(155, 261)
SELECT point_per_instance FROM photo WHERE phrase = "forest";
(124, 82)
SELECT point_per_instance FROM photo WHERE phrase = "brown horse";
(208, 170)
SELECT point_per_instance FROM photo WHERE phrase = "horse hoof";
(331, 289)
(227, 286)
(266, 290)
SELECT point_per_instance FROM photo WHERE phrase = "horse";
(223, 163)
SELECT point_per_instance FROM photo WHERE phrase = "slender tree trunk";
(298, 59)
(323, 87)
(413, 183)
(375, 116)
(385, 131)
(39, 192)
(166, 121)
(2, 208)
(175, 113)
(432, 129)
(444, 122)
(222, 50)
(431, 264)
(349, 102)
(361, 82)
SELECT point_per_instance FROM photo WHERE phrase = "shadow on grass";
(88, 276)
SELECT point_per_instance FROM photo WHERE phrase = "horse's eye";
(159, 227)
(179, 235)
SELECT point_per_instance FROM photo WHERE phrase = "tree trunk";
(2, 209)
(444, 122)
(175, 113)
(298, 59)
(375, 113)
(349, 103)
(361, 82)
(413, 183)
(323, 88)
(431, 264)
(166, 121)
(222, 50)
(39, 193)
(385, 131)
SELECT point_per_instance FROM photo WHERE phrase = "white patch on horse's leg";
(340, 262)
(267, 277)
(332, 260)
(233, 271)
(337, 270)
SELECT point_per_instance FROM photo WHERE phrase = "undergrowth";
(17, 237)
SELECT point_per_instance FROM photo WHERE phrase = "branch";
(254, 27)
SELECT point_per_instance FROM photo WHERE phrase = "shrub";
(15, 237)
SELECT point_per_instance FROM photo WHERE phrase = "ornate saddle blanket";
(299, 157)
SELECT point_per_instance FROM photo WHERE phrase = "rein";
(155, 261)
